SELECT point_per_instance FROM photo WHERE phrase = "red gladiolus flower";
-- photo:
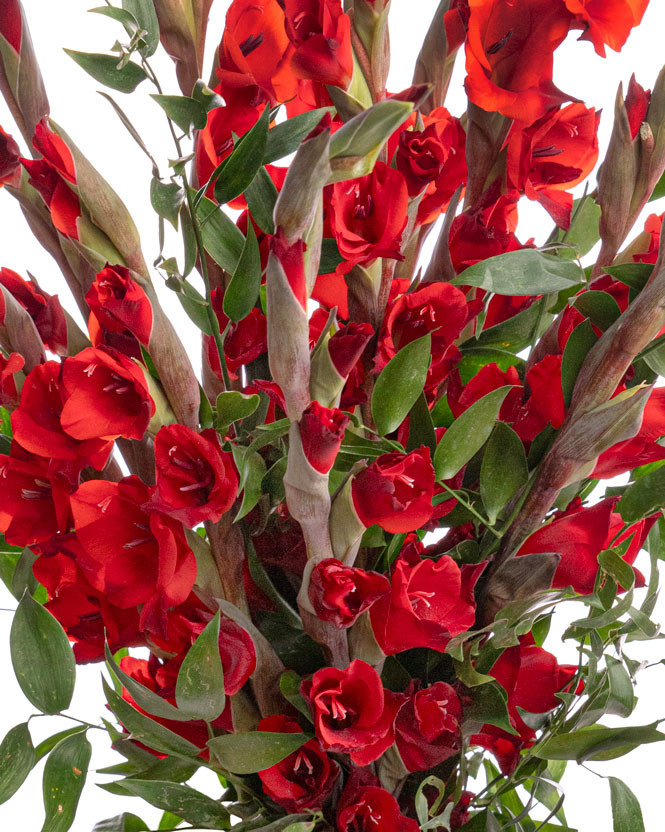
(321, 433)
(373, 809)
(637, 105)
(132, 556)
(369, 215)
(427, 730)
(553, 155)
(37, 422)
(196, 480)
(304, 779)
(10, 160)
(490, 377)
(321, 35)
(352, 712)
(292, 260)
(395, 491)
(509, 56)
(607, 21)
(244, 342)
(8, 369)
(420, 157)
(347, 345)
(341, 593)
(545, 404)
(11, 25)
(44, 309)
(107, 396)
(120, 304)
(429, 602)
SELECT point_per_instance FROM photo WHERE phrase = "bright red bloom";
(373, 809)
(196, 480)
(120, 304)
(489, 378)
(37, 423)
(108, 396)
(10, 160)
(245, 341)
(303, 780)
(395, 491)
(352, 712)
(341, 593)
(8, 369)
(292, 260)
(321, 35)
(429, 602)
(369, 215)
(652, 226)
(44, 309)
(321, 433)
(427, 730)
(545, 404)
(553, 155)
(347, 345)
(509, 56)
(607, 21)
(132, 556)
(637, 105)
(420, 157)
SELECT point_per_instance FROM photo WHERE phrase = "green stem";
(470, 509)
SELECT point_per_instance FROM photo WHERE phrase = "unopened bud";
(346, 528)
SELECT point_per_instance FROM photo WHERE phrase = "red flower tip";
(321, 434)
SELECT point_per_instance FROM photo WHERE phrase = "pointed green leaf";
(64, 777)
(17, 757)
(243, 290)
(489, 707)
(50, 742)
(468, 433)
(104, 68)
(523, 272)
(242, 165)
(247, 753)
(187, 803)
(626, 811)
(144, 12)
(421, 428)
(232, 406)
(121, 15)
(504, 469)
(252, 470)
(644, 496)
(183, 111)
(222, 238)
(597, 743)
(581, 340)
(167, 198)
(285, 138)
(126, 822)
(199, 689)
(261, 195)
(400, 383)
(42, 657)
(600, 307)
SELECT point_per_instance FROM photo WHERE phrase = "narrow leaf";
(261, 195)
(144, 12)
(254, 751)
(181, 800)
(126, 822)
(184, 111)
(167, 198)
(199, 689)
(626, 811)
(523, 272)
(504, 469)
(400, 383)
(242, 165)
(17, 757)
(64, 777)
(285, 138)
(104, 68)
(243, 290)
(222, 238)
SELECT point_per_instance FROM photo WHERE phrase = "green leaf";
(64, 777)
(504, 469)
(167, 199)
(261, 195)
(184, 111)
(199, 689)
(126, 822)
(581, 339)
(514, 334)
(600, 307)
(617, 567)
(50, 742)
(285, 138)
(489, 707)
(145, 14)
(523, 272)
(289, 686)
(243, 290)
(597, 743)
(634, 275)
(583, 233)
(232, 406)
(622, 697)
(659, 190)
(187, 803)
(121, 15)
(421, 428)
(42, 657)
(330, 256)
(252, 470)
(468, 433)
(644, 496)
(400, 383)
(247, 753)
(23, 578)
(243, 164)
(145, 730)
(626, 811)
(104, 68)
(17, 757)
(222, 238)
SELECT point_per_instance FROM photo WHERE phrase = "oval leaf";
(242, 165)
(104, 68)
(400, 383)
(626, 811)
(504, 469)
(596, 742)
(166, 198)
(254, 751)
(17, 757)
(232, 406)
(187, 803)
(523, 272)
(243, 290)
(261, 196)
(285, 138)
(145, 14)
(42, 657)
(126, 822)
(199, 689)
(468, 433)
(64, 777)
(222, 238)
(183, 111)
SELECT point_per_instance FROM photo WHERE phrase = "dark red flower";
(341, 593)
(369, 215)
(395, 491)
(607, 21)
(8, 368)
(321, 433)
(108, 396)
(347, 345)
(352, 712)
(429, 602)
(44, 309)
(11, 24)
(304, 779)
(491, 377)
(120, 304)
(292, 260)
(321, 35)
(637, 105)
(244, 342)
(196, 480)
(373, 809)
(10, 164)
(427, 730)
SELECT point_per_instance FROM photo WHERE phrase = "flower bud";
(341, 594)
(435, 62)
(334, 359)
(346, 528)
(120, 304)
(321, 433)
(182, 31)
(18, 332)
(11, 380)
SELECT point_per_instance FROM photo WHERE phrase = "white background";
(92, 124)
